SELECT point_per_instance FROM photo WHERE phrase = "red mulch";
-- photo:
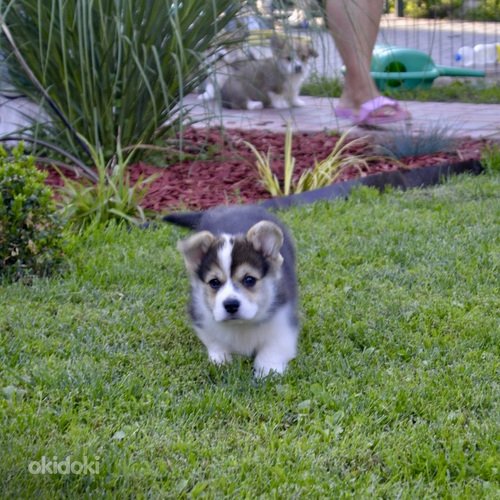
(222, 168)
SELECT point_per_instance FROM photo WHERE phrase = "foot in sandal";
(376, 111)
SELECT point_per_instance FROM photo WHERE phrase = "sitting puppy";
(243, 285)
(270, 82)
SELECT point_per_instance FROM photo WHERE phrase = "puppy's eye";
(215, 284)
(289, 58)
(249, 281)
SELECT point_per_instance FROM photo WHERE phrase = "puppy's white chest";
(274, 339)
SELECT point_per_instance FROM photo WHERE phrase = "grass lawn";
(395, 392)
(457, 91)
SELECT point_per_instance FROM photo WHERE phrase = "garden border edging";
(420, 177)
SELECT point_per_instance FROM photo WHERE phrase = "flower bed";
(222, 168)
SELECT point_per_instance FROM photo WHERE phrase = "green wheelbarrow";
(400, 68)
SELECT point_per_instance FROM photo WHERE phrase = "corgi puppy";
(269, 82)
(241, 265)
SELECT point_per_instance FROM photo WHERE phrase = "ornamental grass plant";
(110, 69)
(84, 203)
(323, 173)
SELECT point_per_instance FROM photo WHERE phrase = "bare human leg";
(354, 25)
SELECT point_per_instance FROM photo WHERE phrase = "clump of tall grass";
(490, 158)
(109, 69)
(112, 197)
(324, 172)
(405, 142)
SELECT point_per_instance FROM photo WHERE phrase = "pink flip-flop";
(366, 115)
(368, 112)
(342, 112)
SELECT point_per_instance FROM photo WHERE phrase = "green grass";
(394, 394)
(461, 91)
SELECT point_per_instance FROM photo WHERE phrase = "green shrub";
(433, 9)
(484, 10)
(30, 229)
(490, 158)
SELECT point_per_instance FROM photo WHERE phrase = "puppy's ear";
(277, 42)
(312, 51)
(195, 248)
(267, 238)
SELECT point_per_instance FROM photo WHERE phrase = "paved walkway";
(461, 120)
(475, 120)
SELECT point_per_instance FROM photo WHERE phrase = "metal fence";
(453, 24)
(442, 38)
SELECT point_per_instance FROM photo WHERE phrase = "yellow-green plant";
(267, 176)
(112, 197)
(327, 171)
(324, 173)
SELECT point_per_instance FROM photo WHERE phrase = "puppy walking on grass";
(243, 287)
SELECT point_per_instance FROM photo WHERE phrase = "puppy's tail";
(190, 220)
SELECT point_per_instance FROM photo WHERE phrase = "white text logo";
(66, 466)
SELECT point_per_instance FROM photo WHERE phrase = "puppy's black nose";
(298, 68)
(231, 305)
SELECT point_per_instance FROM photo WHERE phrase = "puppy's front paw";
(263, 369)
(298, 102)
(279, 101)
(253, 105)
(209, 93)
(282, 104)
(220, 357)
(206, 96)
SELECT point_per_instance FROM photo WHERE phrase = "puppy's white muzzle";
(231, 304)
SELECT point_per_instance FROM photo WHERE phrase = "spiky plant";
(113, 197)
(110, 68)
(490, 158)
(405, 142)
(324, 172)
(263, 165)
(327, 171)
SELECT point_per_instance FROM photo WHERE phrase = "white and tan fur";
(274, 81)
(243, 286)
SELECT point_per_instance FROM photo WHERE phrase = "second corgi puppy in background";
(271, 82)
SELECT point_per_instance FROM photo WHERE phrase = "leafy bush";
(484, 10)
(114, 68)
(30, 230)
(490, 158)
(433, 9)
